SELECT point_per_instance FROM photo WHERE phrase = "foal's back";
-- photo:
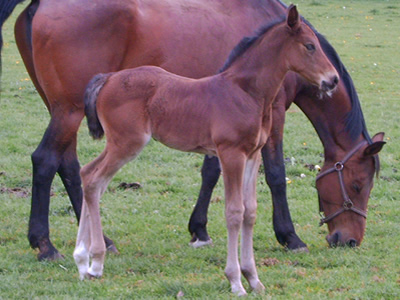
(182, 113)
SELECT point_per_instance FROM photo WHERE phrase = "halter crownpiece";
(347, 205)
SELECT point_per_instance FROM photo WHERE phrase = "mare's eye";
(356, 188)
(310, 47)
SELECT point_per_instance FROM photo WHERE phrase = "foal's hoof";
(90, 276)
(259, 288)
(198, 243)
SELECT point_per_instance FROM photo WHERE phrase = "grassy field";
(149, 225)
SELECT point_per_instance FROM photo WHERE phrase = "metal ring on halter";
(339, 166)
(347, 205)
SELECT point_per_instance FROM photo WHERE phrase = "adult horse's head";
(344, 187)
(306, 56)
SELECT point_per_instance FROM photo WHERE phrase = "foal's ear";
(293, 17)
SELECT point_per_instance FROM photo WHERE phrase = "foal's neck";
(259, 71)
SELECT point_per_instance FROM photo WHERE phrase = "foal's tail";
(91, 94)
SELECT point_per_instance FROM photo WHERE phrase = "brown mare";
(227, 115)
(65, 43)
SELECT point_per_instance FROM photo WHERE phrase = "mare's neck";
(329, 118)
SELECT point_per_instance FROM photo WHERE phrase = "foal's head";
(303, 52)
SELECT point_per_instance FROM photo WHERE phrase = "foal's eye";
(310, 47)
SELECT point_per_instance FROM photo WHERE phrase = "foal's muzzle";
(330, 85)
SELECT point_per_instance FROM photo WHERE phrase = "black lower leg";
(210, 173)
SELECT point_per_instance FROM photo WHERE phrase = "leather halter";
(347, 205)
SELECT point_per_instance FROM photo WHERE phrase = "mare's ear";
(376, 146)
(293, 17)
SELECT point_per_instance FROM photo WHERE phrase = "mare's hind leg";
(248, 265)
(198, 221)
(46, 160)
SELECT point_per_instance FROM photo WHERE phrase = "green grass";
(149, 225)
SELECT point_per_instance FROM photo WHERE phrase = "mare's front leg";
(247, 262)
(233, 164)
(275, 176)
(210, 173)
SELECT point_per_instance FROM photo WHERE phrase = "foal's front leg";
(232, 163)
(248, 265)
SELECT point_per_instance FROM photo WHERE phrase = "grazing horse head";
(351, 177)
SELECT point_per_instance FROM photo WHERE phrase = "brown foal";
(226, 115)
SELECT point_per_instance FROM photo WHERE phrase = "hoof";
(91, 276)
(197, 243)
(112, 249)
(300, 250)
(259, 288)
(50, 256)
(47, 251)
(241, 292)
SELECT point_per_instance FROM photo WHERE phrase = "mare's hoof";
(50, 256)
(198, 243)
(300, 250)
(112, 249)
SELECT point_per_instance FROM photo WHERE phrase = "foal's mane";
(247, 42)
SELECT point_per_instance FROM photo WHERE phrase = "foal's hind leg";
(248, 266)
(81, 252)
(95, 177)
(69, 172)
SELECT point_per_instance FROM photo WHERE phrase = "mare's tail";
(91, 94)
(6, 8)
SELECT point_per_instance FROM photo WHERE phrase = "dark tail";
(91, 94)
(6, 8)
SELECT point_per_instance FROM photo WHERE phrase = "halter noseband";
(347, 204)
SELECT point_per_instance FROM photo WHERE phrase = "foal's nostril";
(336, 80)
(351, 243)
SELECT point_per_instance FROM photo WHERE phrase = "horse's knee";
(250, 214)
(234, 217)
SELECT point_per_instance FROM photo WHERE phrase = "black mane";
(247, 42)
(355, 123)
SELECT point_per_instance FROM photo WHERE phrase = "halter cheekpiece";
(347, 205)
